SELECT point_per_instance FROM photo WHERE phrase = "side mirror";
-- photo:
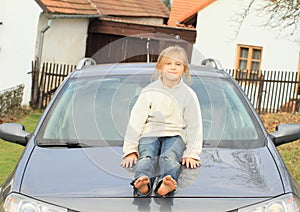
(285, 133)
(14, 133)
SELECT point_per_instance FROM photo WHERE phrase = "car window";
(92, 109)
(227, 120)
(97, 109)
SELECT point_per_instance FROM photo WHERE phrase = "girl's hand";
(190, 163)
(129, 160)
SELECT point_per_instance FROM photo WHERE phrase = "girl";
(165, 125)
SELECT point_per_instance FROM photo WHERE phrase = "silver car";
(72, 160)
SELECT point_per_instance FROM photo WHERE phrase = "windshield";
(96, 109)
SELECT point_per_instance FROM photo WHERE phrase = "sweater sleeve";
(194, 135)
(137, 120)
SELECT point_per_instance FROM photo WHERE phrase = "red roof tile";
(70, 7)
(133, 8)
(182, 10)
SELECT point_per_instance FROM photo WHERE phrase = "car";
(72, 159)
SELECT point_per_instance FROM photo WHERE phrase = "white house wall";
(17, 43)
(216, 38)
(65, 40)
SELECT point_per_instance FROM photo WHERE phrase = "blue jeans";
(167, 151)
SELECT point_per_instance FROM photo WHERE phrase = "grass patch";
(289, 152)
(9, 156)
(10, 153)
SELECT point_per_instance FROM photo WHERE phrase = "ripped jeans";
(164, 152)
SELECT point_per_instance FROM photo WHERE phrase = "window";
(95, 111)
(248, 61)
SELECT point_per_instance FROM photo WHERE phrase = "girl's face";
(172, 72)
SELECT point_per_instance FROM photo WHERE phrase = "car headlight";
(20, 203)
(285, 203)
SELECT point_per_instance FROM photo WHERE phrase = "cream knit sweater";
(162, 111)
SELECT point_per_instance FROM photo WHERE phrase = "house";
(253, 47)
(62, 30)
(109, 31)
(135, 30)
(18, 24)
(65, 31)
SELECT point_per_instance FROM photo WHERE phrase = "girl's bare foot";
(141, 184)
(168, 184)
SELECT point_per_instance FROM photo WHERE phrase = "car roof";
(140, 68)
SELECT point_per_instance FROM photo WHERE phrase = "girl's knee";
(168, 159)
(146, 157)
(174, 156)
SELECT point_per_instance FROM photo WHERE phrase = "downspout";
(39, 87)
(41, 43)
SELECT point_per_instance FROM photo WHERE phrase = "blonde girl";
(165, 127)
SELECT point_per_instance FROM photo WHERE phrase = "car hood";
(96, 172)
(65, 174)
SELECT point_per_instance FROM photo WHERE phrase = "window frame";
(248, 73)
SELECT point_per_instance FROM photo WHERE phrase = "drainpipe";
(37, 94)
(41, 43)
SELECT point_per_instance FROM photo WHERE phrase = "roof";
(132, 8)
(182, 10)
(68, 7)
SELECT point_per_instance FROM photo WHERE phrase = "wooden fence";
(269, 91)
(45, 80)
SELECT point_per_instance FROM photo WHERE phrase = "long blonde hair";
(175, 53)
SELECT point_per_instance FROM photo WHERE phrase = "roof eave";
(64, 15)
(145, 24)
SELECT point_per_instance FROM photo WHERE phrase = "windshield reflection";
(97, 109)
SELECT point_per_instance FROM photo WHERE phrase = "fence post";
(260, 91)
(42, 85)
(34, 99)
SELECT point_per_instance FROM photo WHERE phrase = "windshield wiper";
(68, 144)
(74, 143)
